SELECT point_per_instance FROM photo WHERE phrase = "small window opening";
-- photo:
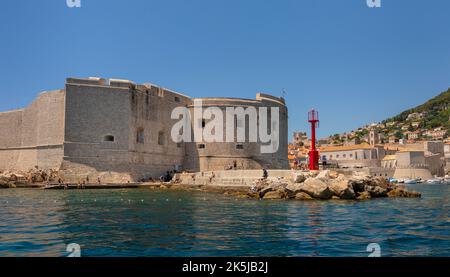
(108, 138)
(161, 138)
(140, 138)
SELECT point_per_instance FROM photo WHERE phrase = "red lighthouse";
(313, 118)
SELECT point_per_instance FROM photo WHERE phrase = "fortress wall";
(50, 116)
(35, 134)
(218, 156)
(8, 159)
(120, 109)
(10, 140)
(151, 109)
(279, 159)
(92, 113)
(120, 131)
(10, 123)
(43, 132)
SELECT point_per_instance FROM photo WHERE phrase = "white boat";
(410, 181)
(433, 181)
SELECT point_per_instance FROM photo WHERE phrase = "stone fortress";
(120, 132)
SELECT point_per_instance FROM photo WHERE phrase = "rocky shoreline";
(32, 178)
(324, 185)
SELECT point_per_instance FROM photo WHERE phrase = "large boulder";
(4, 180)
(9, 185)
(401, 192)
(316, 188)
(381, 182)
(295, 187)
(358, 185)
(271, 195)
(298, 177)
(364, 195)
(327, 175)
(264, 191)
(342, 189)
(37, 178)
(376, 191)
(303, 196)
(13, 178)
(278, 185)
(323, 174)
(270, 186)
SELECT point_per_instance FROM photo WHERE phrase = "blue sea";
(155, 223)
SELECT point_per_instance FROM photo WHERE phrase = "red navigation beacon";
(313, 118)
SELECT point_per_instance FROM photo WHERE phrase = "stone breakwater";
(324, 185)
(329, 185)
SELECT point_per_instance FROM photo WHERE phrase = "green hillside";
(435, 112)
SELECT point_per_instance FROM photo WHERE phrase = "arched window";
(108, 138)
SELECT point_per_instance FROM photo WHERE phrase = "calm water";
(170, 223)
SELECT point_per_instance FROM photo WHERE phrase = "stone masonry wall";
(34, 135)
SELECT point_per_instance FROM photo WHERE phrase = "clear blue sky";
(354, 64)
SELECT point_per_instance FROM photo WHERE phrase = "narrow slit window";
(161, 138)
(140, 137)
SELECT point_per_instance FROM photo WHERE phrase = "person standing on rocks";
(265, 174)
